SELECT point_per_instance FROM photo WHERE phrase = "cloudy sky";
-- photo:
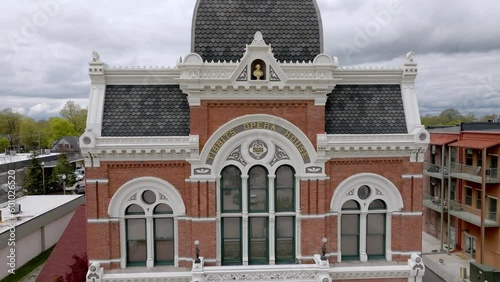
(45, 46)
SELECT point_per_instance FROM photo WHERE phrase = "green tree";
(63, 167)
(33, 180)
(489, 117)
(60, 127)
(29, 134)
(75, 115)
(4, 144)
(9, 125)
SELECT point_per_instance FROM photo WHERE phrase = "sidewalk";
(444, 265)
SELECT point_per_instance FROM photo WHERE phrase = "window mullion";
(150, 241)
(272, 219)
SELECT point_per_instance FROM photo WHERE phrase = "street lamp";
(43, 176)
(197, 250)
(64, 183)
(323, 248)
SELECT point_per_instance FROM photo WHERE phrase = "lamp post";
(323, 248)
(64, 183)
(197, 250)
(43, 176)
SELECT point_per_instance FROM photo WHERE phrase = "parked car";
(80, 188)
(80, 174)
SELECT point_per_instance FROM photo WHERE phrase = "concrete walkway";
(446, 266)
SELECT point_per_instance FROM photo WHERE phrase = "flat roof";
(6, 159)
(33, 207)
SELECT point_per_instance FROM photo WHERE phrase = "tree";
(29, 134)
(4, 144)
(60, 127)
(9, 125)
(33, 180)
(79, 269)
(63, 167)
(75, 115)
(489, 117)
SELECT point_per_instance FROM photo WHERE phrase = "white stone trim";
(106, 261)
(100, 181)
(390, 193)
(408, 213)
(409, 176)
(119, 202)
(406, 253)
(102, 220)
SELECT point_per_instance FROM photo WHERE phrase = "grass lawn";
(28, 267)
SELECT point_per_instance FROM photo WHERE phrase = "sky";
(46, 45)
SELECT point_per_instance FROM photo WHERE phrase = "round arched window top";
(377, 205)
(163, 209)
(149, 197)
(364, 192)
(134, 209)
(350, 205)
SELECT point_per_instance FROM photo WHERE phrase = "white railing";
(319, 271)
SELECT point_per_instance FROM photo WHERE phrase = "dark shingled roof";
(365, 109)
(222, 28)
(145, 110)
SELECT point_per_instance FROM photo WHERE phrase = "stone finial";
(95, 57)
(410, 57)
(258, 39)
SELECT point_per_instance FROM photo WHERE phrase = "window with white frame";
(149, 229)
(252, 214)
(363, 228)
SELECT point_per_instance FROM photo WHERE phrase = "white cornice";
(97, 149)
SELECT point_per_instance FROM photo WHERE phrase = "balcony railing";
(473, 215)
(435, 203)
(435, 170)
(474, 173)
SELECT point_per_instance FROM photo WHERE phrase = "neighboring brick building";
(258, 146)
(459, 195)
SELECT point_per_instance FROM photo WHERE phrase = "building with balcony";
(279, 163)
(461, 190)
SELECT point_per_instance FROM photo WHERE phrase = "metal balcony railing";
(435, 203)
(474, 173)
(473, 215)
(435, 170)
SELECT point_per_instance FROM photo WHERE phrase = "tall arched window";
(139, 238)
(164, 235)
(375, 230)
(248, 206)
(363, 226)
(136, 236)
(285, 222)
(231, 205)
(350, 230)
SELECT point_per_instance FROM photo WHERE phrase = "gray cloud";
(46, 45)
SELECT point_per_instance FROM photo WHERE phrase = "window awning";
(475, 144)
(442, 140)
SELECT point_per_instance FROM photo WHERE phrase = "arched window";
(247, 205)
(285, 224)
(363, 226)
(350, 230)
(375, 230)
(138, 236)
(164, 235)
(231, 202)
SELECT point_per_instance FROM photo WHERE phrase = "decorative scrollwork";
(243, 75)
(236, 156)
(272, 75)
(279, 155)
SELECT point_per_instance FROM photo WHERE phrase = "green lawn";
(28, 267)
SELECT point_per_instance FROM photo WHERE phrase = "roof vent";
(17, 209)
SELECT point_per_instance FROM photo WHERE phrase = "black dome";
(222, 28)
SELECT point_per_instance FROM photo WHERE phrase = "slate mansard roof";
(365, 109)
(222, 28)
(145, 110)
